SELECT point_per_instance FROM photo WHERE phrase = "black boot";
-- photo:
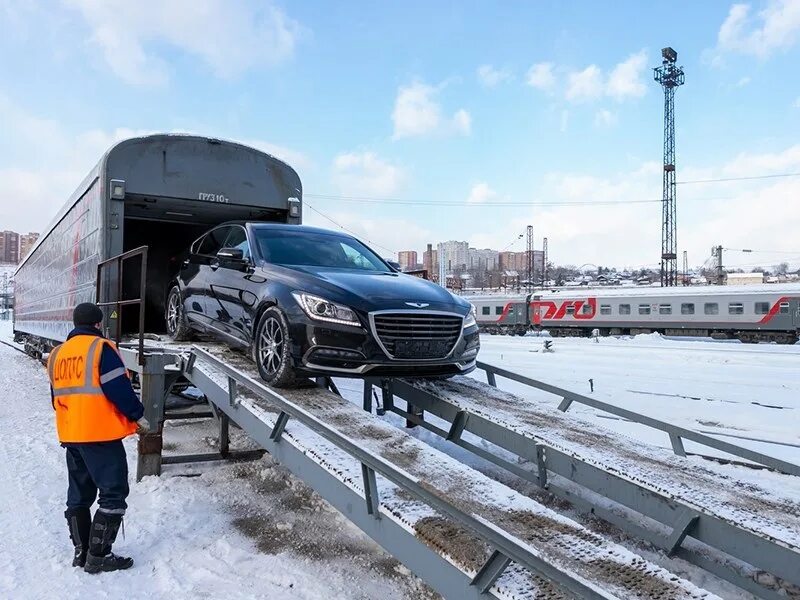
(79, 521)
(103, 533)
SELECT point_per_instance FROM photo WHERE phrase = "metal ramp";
(465, 534)
(684, 508)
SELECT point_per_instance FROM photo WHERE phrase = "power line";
(340, 226)
(746, 178)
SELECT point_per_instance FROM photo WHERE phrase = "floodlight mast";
(670, 77)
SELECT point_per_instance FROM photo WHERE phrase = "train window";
(644, 309)
(605, 309)
(587, 309)
(624, 309)
(486, 310)
(687, 308)
(711, 308)
(762, 308)
(665, 309)
(735, 308)
(498, 310)
(571, 309)
(784, 308)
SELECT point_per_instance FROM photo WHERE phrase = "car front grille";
(418, 334)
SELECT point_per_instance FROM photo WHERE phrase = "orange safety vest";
(83, 413)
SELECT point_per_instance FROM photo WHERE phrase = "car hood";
(376, 291)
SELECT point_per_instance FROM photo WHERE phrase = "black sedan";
(307, 301)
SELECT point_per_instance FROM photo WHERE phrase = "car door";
(233, 289)
(199, 263)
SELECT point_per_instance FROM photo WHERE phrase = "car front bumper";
(350, 351)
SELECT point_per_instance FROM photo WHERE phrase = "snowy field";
(252, 531)
(738, 392)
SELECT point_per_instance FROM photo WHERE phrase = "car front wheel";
(177, 327)
(272, 350)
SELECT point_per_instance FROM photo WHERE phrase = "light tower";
(529, 257)
(670, 77)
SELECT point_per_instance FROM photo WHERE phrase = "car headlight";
(469, 320)
(321, 309)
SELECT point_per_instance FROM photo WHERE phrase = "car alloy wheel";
(271, 346)
(173, 312)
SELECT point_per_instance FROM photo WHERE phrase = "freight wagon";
(158, 191)
(768, 313)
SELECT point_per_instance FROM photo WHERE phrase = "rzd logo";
(546, 309)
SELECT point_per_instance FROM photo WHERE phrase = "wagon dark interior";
(168, 226)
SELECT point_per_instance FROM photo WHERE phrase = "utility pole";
(685, 268)
(529, 256)
(544, 265)
(670, 77)
(717, 251)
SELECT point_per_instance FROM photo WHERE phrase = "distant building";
(483, 260)
(745, 278)
(430, 262)
(9, 247)
(518, 261)
(26, 242)
(407, 259)
(454, 255)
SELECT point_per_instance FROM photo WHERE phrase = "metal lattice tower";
(544, 263)
(670, 77)
(529, 257)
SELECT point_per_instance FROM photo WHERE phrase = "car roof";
(291, 227)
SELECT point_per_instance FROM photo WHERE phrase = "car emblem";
(418, 304)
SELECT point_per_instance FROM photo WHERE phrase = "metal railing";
(676, 434)
(119, 261)
(506, 547)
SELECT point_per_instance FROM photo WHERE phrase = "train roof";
(784, 289)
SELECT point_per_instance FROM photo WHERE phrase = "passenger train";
(748, 313)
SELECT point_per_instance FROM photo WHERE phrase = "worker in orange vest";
(95, 408)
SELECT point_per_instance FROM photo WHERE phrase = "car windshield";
(314, 249)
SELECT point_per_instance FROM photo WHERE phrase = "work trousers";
(97, 467)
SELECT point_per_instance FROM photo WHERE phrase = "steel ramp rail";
(492, 541)
(687, 508)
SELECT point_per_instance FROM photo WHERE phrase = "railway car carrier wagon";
(159, 191)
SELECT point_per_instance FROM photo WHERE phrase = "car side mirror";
(232, 258)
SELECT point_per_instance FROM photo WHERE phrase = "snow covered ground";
(731, 390)
(245, 531)
(252, 531)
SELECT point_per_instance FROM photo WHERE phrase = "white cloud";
(760, 214)
(743, 82)
(541, 77)
(626, 79)
(230, 37)
(488, 76)
(417, 112)
(796, 102)
(605, 118)
(585, 85)
(364, 173)
(776, 27)
(480, 193)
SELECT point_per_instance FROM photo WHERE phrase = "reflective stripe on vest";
(83, 413)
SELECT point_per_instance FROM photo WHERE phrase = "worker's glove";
(143, 425)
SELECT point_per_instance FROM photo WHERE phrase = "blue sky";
(473, 105)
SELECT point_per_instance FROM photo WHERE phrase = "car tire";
(178, 329)
(272, 349)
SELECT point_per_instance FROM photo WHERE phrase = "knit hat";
(87, 313)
